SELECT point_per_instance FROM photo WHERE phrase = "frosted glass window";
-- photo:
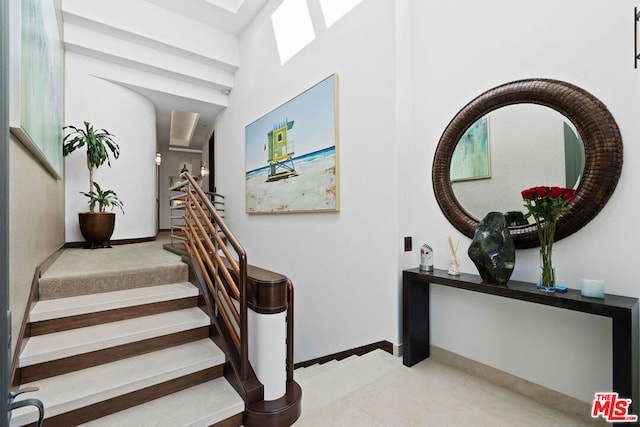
(333, 10)
(292, 27)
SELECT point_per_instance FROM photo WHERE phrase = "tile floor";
(427, 394)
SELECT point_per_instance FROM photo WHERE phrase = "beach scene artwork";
(292, 156)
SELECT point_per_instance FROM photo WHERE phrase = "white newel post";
(268, 351)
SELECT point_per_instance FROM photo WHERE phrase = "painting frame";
(471, 158)
(292, 155)
(37, 81)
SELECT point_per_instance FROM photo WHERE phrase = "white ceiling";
(212, 12)
(230, 16)
(216, 13)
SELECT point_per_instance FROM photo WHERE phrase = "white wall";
(131, 118)
(456, 57)
(405, 69)
(343, 264)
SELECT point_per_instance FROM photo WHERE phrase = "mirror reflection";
(512, 148)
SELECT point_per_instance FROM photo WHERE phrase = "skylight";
(333, 10)
(292, 27)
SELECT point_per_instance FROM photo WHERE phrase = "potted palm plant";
(96, 227)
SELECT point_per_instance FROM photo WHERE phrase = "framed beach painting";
(37, 90)
(470, 158)
(291, 162)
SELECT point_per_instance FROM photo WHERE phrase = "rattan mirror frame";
(595, 125)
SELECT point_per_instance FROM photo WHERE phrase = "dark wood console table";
(623, 312)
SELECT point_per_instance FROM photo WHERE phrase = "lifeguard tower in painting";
(280, 154)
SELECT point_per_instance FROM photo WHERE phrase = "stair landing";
(88, 271)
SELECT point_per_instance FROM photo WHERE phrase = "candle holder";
(592, 288)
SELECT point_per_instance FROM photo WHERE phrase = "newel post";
(267, 330)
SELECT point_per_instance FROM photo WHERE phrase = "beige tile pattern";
(547, 397)
(427, 394)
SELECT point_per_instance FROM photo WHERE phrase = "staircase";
(120, 337)
(134, 355)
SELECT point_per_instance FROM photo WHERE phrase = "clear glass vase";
(547, 281)
(454, 266)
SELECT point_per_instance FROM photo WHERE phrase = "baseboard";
(358, 351)
(541, 394)
(70, 245)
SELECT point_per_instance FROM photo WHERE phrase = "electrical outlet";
(408, 244)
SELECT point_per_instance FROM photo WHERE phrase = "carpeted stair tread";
(83, 271)
(85, 304)
(54, 346)
(201, 405)
(86, 283)
(78, 389)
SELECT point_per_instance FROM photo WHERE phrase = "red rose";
(529, 194)
(555, 192)
(568, 194)
(542, 191)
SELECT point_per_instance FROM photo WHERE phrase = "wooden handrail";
(213, 252)
(220, 266)
(207, 260)
(215, 235)
(194, 241)
(202, 248)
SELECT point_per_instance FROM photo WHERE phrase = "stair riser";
(95, 358)
(98, 410)
(98, 318)
(52, 287)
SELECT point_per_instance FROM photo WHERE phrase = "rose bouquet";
(545, 205)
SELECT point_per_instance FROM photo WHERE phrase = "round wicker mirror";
(594, 124)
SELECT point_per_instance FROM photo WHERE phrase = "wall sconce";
(636, 18)
(158, 159)
(203, 171)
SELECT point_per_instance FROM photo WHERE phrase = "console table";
(623, 312)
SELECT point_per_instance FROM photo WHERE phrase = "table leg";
(625, 357)
(415, 321)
